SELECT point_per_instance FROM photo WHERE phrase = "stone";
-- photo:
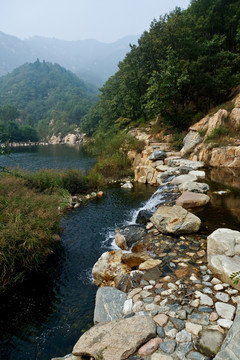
(161, 319)
(194, 165)
(178, 324)
(194, 355)
(133, 234)
(190, 200)
(230, 349)
(206, 309)
(183, 349)
(222, 296)
(181, 179)
(234, 118)
(134, 292)
(213, 316)
(191, 140)
(200, 174)
(109, 304)
(225, 311)
(158, 155)
(143, 217)
(218, 119)
(205, 300)
(168, 346)
(193, 329)
(135, 259)
(150, 347)
(201, 319)
(194, 187)
(218, 287)
(120, 241)
(225, 323)
(138, 306)
(127, 307)
(181, 273)
(68, 357)
(183, 336)
(149, 264)
(160, 356)
(175, 220)
(108, 266)
(209, 342)
(223, 253)
(127, 185)
(182, 314)
(123, 282)
(161, 332)
(113, 338)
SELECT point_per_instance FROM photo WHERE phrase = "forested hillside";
(186, 63)
(46, 97)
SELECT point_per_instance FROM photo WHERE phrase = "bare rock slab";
(117, 339)
(109, 304)
(190, 200)
(209, 342)
(175, 220)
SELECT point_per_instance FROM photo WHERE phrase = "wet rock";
(127, 185)
(223, 251)
(132, 234)
(109, 304)
(113, 338)
(190, 200)
(143, 217)
(135, 259)
(68, 357)
(175, 220)
(209, 342)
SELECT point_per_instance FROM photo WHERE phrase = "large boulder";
(143, 217)
(181, 179)
(117, 339)
(194, 186)
(133, 260)
(218, 119)
(175, 220)
(109, 304)
(132, 234)
(190, 200)
(223, 253)
(194, 165)
(235, 118)
(209, 342)
(228, 156)
(191, 140)
(108, 266)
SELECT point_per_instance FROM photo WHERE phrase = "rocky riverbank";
(167, 293)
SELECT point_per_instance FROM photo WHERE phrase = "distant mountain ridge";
(92, 60)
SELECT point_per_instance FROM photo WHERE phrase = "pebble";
(206, 300)
(213, 316)
(195, 303)
(183, 336)
(207, 309)
(182, 314)
(179, 324)
(161, 332)
(225, 323)
(218, 287)
(184, 349)
(231, 291)
(207, 290)
(161, 319)
(202, 319)
(148, 287)
(148, 300)
(150, 347)
(194, 329)
(168, 346)
(225, 311)
(206, 278)
(222, 296)
(170, 332)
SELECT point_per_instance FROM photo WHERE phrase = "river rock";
(135, 259)
(118, 338)
(209, 342)
(195, 187)
(158, 155)
(194, 165)
(127, 185)
(181, 179)
(223, 253)
(132, 234)
(108, 266)
(175, 220)
(143, 217)
(191, 140)
(109, 304)
(190, 200)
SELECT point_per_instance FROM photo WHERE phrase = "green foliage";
(235, 277)
(217, 133)
(185, 64)
(44, 92)
(177, 141)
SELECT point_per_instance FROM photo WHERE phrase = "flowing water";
(44, 317)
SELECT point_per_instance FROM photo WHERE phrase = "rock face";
(223, 251)
(235, 118)
(190, 200)
(225, 157)
(109, 304)
(230, 349)
(132, 234)
(191, 140)
(108, 266)
(216, 120)
(104, 340)
(175, 220)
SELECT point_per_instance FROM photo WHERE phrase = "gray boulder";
(133, 234)
(209, 342)
(193, 186)
(117, 339)
(191, 140)
(175, 220)
(109, 304)
(158, 155)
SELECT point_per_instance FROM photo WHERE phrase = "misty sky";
(103, 20)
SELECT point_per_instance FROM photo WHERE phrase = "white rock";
(127, 185)
(226, 311)
(200, 174)
(192, 328)
(206, 300)
(138, 306)
(218, 287)
(222, 296)
(225, 323)
(183, 336)
(215, 281)
(127, 307)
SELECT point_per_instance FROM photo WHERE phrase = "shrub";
(74, 181)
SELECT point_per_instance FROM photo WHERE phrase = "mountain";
(48, 96)
(92, 60)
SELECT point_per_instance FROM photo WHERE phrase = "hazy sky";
(104, 20)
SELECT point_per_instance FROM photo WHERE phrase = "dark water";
(45, 317)
(49, 157)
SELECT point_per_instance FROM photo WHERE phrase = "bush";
(74, 181)
(28, 221)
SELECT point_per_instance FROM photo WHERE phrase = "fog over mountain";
(92, 60)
